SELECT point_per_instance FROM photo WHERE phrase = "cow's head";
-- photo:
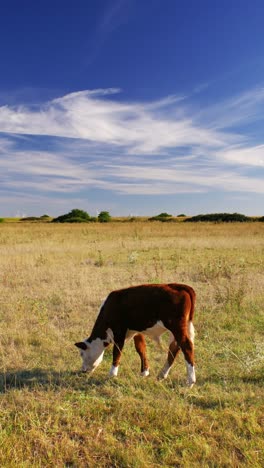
(91, 353)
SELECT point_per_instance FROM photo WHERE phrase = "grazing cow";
(149, 309)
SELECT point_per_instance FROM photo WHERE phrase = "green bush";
(1, 220)
(219, 217)
(30, 218)
(74, 216)
(76, 220)
(163, 217)
(104, 217)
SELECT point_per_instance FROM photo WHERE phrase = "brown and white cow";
(149, 309)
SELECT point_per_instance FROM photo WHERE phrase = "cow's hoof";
(191, 383)
(161, 376)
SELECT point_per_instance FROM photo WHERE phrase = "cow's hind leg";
(181, 341)
(140, 345)
(172, 353)
(186, 345)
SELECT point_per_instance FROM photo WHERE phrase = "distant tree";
(79, 214)
(161, 217)
(219, 217)
(74, 216)
(104, 217)
(30, 218)
(181, 216)
(1, 220)
(75, 220)
(164, 215)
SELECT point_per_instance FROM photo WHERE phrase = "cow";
(147, 309)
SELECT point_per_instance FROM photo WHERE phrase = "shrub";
(75, 220)
(30, 218)
(104, 217)
(74, 216)
(163, 217)
(1, 220)
(219, 217)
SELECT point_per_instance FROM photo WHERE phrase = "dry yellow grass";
(52, 281)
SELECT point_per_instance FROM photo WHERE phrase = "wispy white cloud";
(179, 179)
(244, 156)
(90, 115)
(148, 148)
(238, 110)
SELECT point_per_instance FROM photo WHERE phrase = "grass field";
(53, 279)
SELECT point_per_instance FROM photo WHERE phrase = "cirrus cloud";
(91, 115)
(92, 140)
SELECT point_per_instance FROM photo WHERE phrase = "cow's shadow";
(48, 380)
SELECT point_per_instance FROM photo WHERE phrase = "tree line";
(81, 216)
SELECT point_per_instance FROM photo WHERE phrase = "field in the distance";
(53, 279)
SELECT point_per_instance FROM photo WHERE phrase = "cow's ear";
(81, 345)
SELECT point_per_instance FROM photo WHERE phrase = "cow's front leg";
(117, 351)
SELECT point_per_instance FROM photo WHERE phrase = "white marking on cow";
(191, 379)
(93, 355)
(191, 331)
(145, 373)
(163, 374)
(153, 332)
(113, 371)
(156, 331)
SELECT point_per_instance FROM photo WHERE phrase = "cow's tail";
(191, 331)
(193, 299)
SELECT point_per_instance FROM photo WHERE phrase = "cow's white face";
(91, 353)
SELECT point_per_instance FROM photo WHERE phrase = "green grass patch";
(53, 280)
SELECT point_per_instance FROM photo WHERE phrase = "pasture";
(53, 279)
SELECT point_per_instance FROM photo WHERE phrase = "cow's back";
(141, 307)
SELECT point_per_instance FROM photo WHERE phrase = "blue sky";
(131, 106)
